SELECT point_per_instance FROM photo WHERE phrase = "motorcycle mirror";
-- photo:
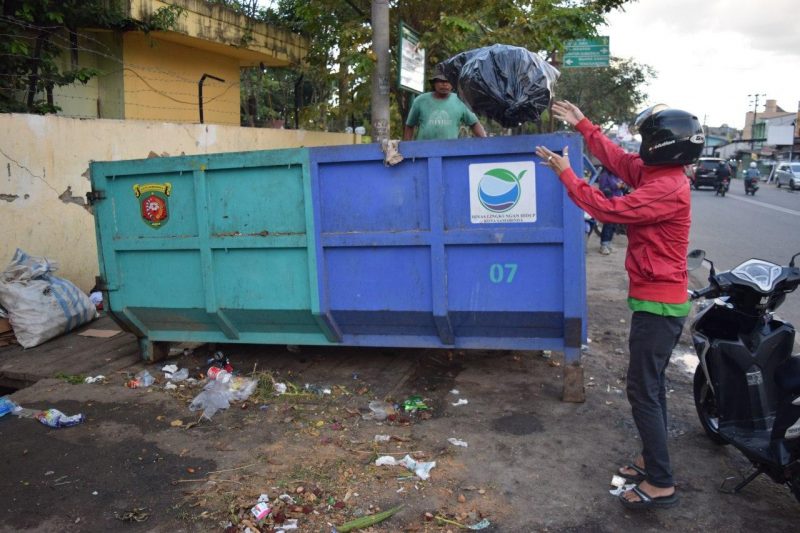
(695, 259)
(791, 262)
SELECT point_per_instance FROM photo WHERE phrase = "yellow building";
(155, 76)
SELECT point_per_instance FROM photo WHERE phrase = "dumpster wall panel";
(233, 260)
(411, 255)
(263, 201)
(352, 199)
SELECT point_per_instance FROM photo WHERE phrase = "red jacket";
(657, 213)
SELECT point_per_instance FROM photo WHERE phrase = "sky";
(711, 54)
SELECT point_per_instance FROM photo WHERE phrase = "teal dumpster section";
(467, 243)
(213, 248)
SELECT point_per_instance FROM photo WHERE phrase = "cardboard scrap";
(99, 333)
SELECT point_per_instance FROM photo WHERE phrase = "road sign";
(412, 61)
(586, 53)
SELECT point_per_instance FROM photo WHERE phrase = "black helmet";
(669, 136)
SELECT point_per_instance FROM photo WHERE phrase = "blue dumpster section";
(469, 243)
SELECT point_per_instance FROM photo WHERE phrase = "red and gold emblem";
(153, 202)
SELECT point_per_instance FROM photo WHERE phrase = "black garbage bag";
(506, 83)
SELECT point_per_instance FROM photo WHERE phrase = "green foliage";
(38, 33)
(606, 95)
(340, 61)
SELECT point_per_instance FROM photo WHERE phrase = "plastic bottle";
(219, 374)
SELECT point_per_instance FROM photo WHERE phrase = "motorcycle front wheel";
(706, 404)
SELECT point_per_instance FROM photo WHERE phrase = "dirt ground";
(142, 462)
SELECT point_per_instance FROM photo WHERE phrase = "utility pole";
(380, 76)
(755, 98)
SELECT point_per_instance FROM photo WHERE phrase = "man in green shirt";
(439, 114)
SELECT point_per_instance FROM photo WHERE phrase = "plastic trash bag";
(508, 84)
(40, 305)
(213, 398)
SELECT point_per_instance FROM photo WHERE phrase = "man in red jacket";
(658, 216)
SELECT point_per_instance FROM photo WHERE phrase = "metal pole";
(200, 92)
(753, 124)
(380, 76)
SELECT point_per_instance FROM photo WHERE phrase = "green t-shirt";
(658, 308)
(439, 118)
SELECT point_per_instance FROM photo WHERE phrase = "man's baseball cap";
(438, 77)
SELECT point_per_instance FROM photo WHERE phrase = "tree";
(339, 62)
(607, 95)
(37, 33)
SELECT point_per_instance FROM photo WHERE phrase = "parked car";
(788, 174)
(704, 173)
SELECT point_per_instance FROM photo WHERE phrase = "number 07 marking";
(502, 273)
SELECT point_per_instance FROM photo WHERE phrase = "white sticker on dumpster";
(502, 192)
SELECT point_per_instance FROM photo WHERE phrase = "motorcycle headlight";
(762, 273)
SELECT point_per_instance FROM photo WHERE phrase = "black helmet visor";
(644, 115)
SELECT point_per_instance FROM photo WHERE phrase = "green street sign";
(586, 53)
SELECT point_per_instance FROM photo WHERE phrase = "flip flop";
(648, 502)
(638, 477)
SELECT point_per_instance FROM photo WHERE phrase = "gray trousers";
(652, 339)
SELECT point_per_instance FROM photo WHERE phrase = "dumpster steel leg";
(153, 351)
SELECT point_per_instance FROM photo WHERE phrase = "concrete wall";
(44, 178)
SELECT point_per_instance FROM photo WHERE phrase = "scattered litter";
(169, 369)
(7, 406)
(99, 333)
(421, 469)
(289, 523)
(286, 498)
(367, 521)
(141, 380)
(170, 386)
(280, 388)
(461, 401)
(176, 423)
(263, 407)
(316, 389)
(414, 403)
(94, 493)
(483, 524)
(96, 379)
(178, 375)
(619, 490)
(379, 410)
(382, 438)
(56, 419)
(217, 395)
(454, 391)
(617, 481)
(261, 509)
(456, 442)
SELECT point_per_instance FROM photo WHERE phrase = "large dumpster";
(468, 243)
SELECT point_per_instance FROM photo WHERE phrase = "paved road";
(738, 227)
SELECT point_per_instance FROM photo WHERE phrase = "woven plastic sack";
(41, 306)
(508, 84)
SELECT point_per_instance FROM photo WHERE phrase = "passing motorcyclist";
(723, 173)
(658, 217)
(751, 177)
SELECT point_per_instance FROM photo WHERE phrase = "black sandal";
(638, 477)
(646, 501)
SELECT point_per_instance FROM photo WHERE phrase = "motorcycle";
(722, 187)
(750, 186)
(747, 385)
